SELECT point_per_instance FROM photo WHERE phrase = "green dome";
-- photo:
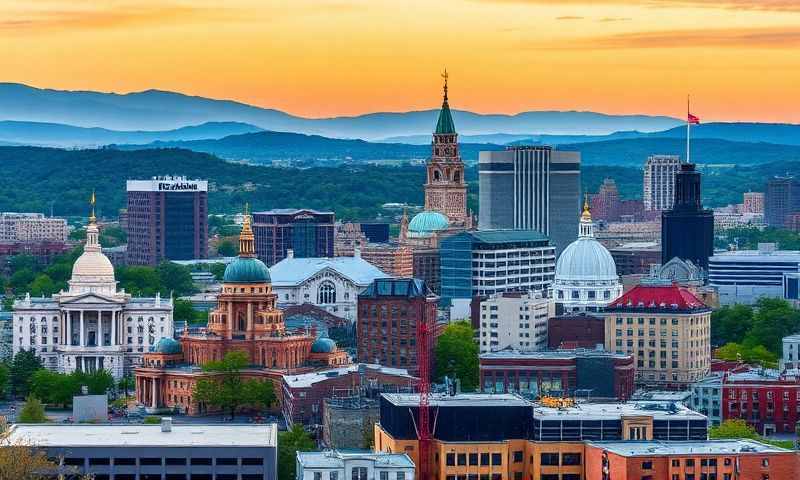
(166, 345)
(246, 270)
(426, 223)
(323, 345)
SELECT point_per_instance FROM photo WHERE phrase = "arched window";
(437, 175)
(326, 293)
(457, 176)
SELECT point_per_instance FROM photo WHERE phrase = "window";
(571, 459)
(334, 475)
(99, 461)
(326, 293)
(223, 461)
(317, 475)
(384, 475)
(198, 461)
(518, 458)
(484, 459)
(647, 465)
(473, 458)
(549, 459)
(497, 459)
(400, 476)
(676, 462)
(253, 461)
(124, 461)
(450, 460)
(765, 462)
(175, 461)
(358, 473)
(78, 462)
(153, 461)
(462, 459)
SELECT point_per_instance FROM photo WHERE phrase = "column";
(99, 328)
(229, 334)
(69, 327)
(114, 328)
(249, 320)
(81, 343)
(155, 394)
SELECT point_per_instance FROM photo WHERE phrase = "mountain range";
(161, 110)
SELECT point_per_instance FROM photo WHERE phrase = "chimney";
(166, 424)
(290, 253)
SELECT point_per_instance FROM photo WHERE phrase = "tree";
(126, 384)
(218, 269)
(289, 443)
(98, 382)
(774, 319)
(183, 311)
(226, 389)
(731, 324)
(5, 377)
(24, 364)
(42, 285)
(457, 355)
(175, 279)
(228, 248)
(22, 462)
(733, 428)
(757, 354)
(55, 388)
(20, 280)
(32, 412)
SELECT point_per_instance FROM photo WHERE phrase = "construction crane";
(424, 338)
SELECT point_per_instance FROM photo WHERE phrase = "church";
(92, 325)
(246, 319)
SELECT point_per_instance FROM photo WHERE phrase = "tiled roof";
(395, 287)
(657, 297)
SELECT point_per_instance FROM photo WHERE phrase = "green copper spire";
(445, 124)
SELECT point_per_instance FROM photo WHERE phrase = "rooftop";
(336, 459)
(658, 298)
(306, 380)
(396, 287)
(710, 447)
(291, 211)
(606, 411)
(551, 354)
(501, 236)
(294, 271)
(80, 435)
(460, 400)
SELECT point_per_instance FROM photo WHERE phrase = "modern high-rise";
(753, 202)
(308, 233)
(531, 188)
(782, 199)
(659, 181)
(605, 204)
(687, 229)
(167, 220)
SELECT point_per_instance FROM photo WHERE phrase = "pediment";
(90, 298)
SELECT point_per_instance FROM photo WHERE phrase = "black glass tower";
(687, 231)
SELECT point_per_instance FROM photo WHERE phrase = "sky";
(737, 58)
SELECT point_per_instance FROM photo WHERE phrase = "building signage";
(177, 186)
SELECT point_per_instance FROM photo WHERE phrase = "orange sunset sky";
(739, 59)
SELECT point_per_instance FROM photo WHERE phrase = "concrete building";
(616, 233)
(713, 459)
(706, 397)
(516, 320)
(393, 259)
(308, 233)
(426, 267)
(142, 452)
(348, 422)
(335, 465)
(753, 202)
(480, 263)
(530, 188)
(659, 181)
(576, 331)
(586, 277)
(593, 374)
(389, 310)
(92, 325)
(167, 220)
(636, 258)
(31, 228)
(687, 229)
(605, 203)
(744, 276)
(666, 328)
(781, 199)
(332, 284)
(790, 355)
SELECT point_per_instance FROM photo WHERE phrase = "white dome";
(94, 267)
(586, 259)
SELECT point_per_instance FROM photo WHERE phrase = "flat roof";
(305, 380)
(460, 400)
(336, 459)
(709, 447)
(659, 410)
(551, 354)
(61, 435)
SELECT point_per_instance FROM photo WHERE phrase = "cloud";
(765, 5)
(614, 19)
(761, 38)
(569, 17)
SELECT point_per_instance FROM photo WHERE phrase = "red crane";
(424, 334)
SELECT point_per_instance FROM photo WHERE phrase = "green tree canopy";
(228, 248)
(774, 319)
(756, 354)
(733, 428)
(98, 382)
(23, 366)
(457, 355)
(5, 379)
(32, 411)
(289, 443)
(55, 388)
(226, 389)
(731, 324)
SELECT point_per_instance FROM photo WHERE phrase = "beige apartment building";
(31, 227)
(514, 319)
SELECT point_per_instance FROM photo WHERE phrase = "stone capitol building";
(92, 325)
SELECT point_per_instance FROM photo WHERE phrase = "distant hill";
(264, 147)
(161, 110)
(60, 135)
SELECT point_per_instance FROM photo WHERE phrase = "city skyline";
(734, 56)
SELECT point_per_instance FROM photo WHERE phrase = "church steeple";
(246, 237)
(445, 125)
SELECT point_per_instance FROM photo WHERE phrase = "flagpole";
(688, 127)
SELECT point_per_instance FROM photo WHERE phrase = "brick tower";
(445, 188)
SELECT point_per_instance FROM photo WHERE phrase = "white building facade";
(335, 465)
(91, 326)
(514, 319)
(586, 277)
(706, 398)
(744, 276)
(332, 284)
(790, 358)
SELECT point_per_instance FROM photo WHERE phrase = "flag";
(692, 119)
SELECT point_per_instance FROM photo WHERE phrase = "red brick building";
(575, 331)
(598, 374)
(713, 459)
(388, 313)
(304, 394)
(770, 403)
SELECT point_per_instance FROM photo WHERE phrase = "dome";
(323, 345)
(166, 345)
(427, 223)
(246, 270)
(586, 259)
(93, 266)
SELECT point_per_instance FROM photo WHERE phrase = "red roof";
(666, 297)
